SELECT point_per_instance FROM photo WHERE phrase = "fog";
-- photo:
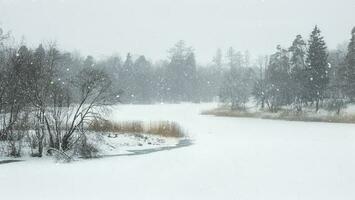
(151, 27)
(258, 94)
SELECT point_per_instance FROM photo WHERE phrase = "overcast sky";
(151, 27)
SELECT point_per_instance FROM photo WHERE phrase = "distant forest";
(55, 92)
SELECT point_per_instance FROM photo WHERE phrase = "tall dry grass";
(283, 115)
(160, 128)
(165, 129)
(101, 125)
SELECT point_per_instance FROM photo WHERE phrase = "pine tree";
(350, 67)
(181, 72)
(143, 80)
(217, 59)
(317, 67)
(231, 58)
(127, 79)
(298, 53)
(190, 78)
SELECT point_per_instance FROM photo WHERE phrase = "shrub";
(87, 149)
(335, 105)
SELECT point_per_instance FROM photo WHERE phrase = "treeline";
(48, 97)
(173, 80)
(306, 74)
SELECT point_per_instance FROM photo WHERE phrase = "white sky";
(151, 27)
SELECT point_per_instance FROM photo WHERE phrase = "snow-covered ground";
(126, 144)
(107, 144)
(232, 158)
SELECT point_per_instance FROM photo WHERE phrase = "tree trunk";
(65, 142)
(51, 139)
(40, 148)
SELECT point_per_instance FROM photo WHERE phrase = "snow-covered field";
(232, 158)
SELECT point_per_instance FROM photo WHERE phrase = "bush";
(336, 105)
(14, 143)
(87, 149)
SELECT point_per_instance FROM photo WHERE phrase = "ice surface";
(232, 158)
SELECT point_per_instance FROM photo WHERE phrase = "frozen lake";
(231, 158)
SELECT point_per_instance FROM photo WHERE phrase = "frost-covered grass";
(307, 115)
(102, 125)
(166, 129)
(159, 128)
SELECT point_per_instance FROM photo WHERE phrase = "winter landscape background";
(177, 99)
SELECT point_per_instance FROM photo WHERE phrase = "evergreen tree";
(350, 67)
(217, 59)
(127, 79)
(190, 82)
(181, 73)
(297, 61)
(317, 67)
(232, 58)
(89, 61)
(246, 60)
(143, 80)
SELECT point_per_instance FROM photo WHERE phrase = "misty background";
(105, 27)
